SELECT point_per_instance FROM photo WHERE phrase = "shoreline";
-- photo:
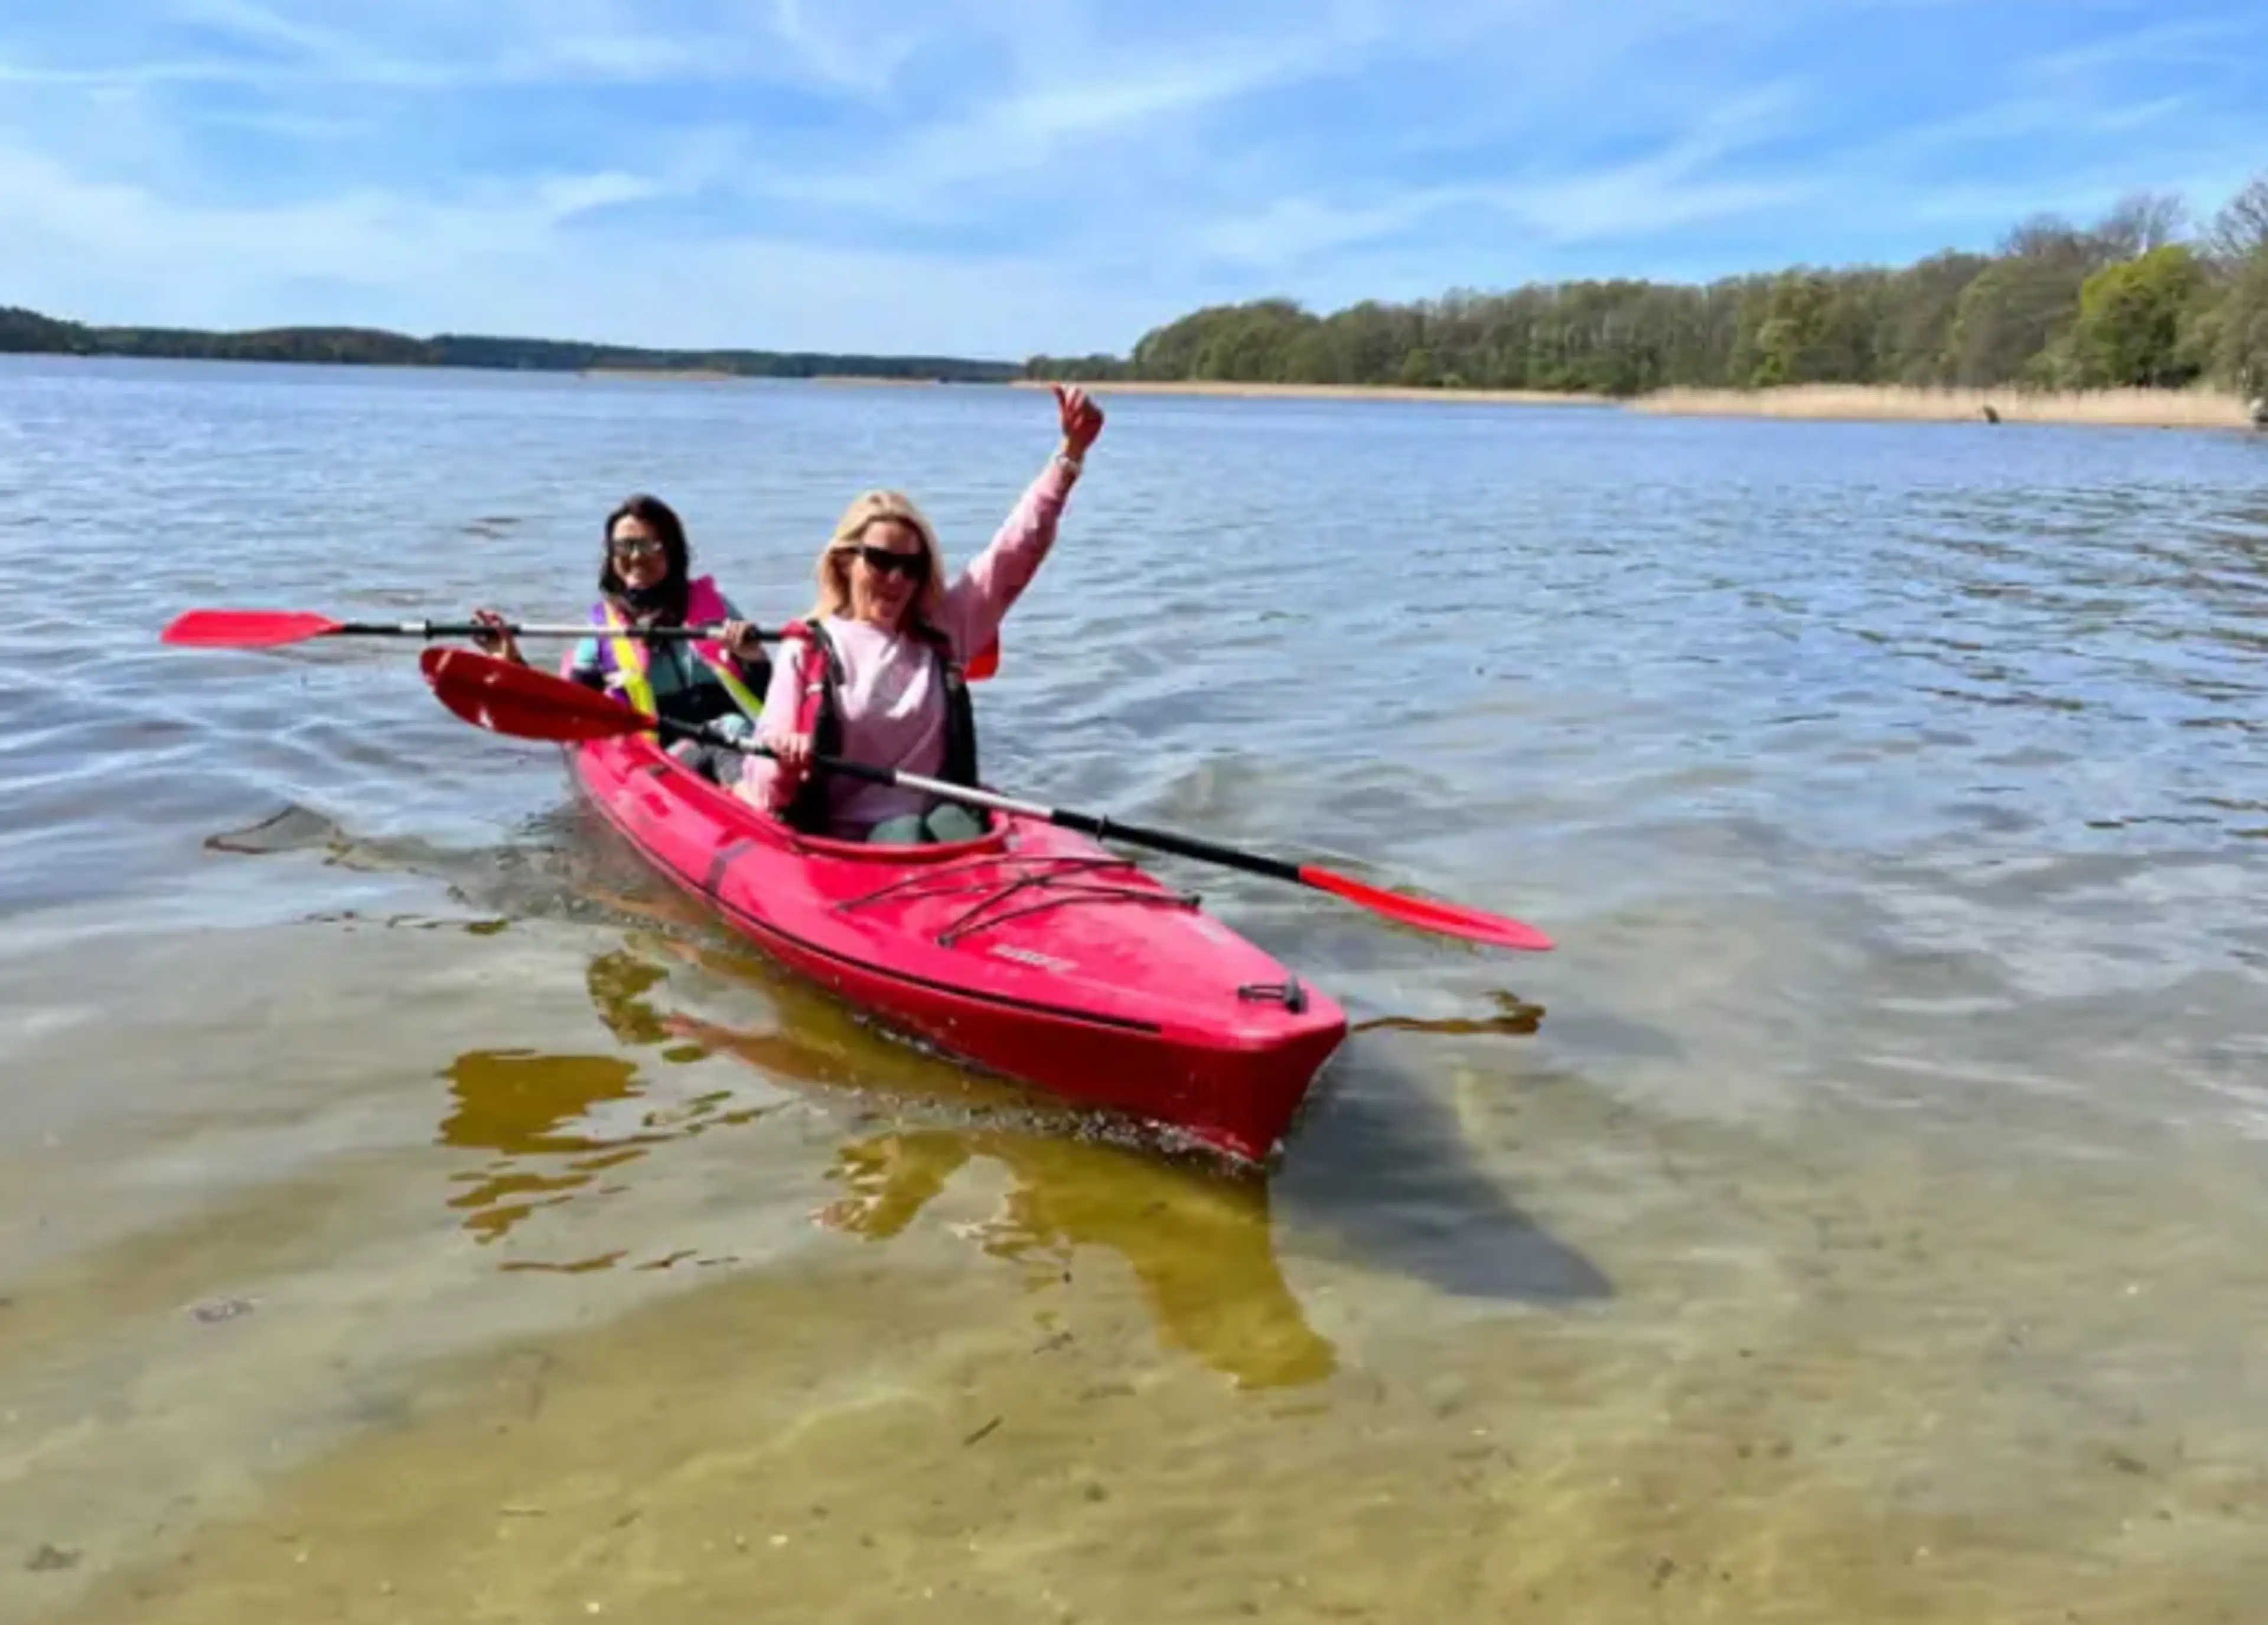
(719, 375)
(856, 380)
(2208, 409)
(661, 374)
(1319, 392)
(2132, 409)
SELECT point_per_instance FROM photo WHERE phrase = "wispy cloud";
(2183, 43)
(1006, 175)
(1668, 187)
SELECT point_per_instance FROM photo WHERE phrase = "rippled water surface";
(409, 1209)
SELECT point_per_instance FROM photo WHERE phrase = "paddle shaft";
(1087, 823)
(474, 629)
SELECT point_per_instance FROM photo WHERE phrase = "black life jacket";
(807, 811)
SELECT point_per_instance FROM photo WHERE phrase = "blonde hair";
(832, 568)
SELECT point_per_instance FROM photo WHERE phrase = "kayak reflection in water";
(877, 673)
(645, 579)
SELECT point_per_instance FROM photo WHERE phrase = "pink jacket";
(893, 695)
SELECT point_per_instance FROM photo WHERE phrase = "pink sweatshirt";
(893, 693)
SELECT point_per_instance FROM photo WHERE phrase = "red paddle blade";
(986, 663)
(1448, 918)
(245, 628)
(521, 702)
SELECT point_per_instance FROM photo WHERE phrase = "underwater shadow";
(1377, 1169)
(1382, 1167)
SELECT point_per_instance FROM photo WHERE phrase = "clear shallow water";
(408, 1209)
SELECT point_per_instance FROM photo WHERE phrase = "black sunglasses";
(636, 547)
(915, 565)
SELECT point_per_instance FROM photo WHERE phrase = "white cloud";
(261, 25)
(1666, 188)
(417, 45)
(563, 198)
(1069, 101)
(2189, 42)
(1290, 231)
(865, 59)
(127, 75)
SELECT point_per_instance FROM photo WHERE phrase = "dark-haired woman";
(645, 579)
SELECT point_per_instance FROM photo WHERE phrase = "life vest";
(626, 661)
(818, 712)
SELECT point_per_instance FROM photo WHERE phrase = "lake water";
(410, 1210)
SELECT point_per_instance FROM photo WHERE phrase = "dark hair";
(662, 519)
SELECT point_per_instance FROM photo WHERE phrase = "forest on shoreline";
(28, 332)
(2135, 300)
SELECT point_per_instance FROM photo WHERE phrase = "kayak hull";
(1032, 952)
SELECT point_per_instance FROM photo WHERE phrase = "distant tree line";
(27, 331)
(2136, 300)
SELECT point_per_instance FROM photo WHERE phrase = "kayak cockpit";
(1013, 886)
(993, 841)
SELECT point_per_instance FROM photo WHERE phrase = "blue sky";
(996, 177)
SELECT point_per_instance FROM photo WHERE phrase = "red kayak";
(1033, 952)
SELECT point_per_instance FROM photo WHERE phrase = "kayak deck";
(1032, 951)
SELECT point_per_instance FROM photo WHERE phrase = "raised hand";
(1082, 419)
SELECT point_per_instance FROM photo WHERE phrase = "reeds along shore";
(2149, 409)
(2146, 408)
(2142, 408)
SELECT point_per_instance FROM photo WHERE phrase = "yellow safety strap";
(630, 657)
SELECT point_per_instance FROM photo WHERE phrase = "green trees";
(2234, 332)
(2136, 318)
(2128, 301)
(24, 330)
(2012, 324)
(1815, 327)
(2239, 334)
(28, 332)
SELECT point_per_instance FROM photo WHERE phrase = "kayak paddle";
(267, 629)
(270, 628)
(527, 704)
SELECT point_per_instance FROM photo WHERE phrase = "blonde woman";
(877, 673)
